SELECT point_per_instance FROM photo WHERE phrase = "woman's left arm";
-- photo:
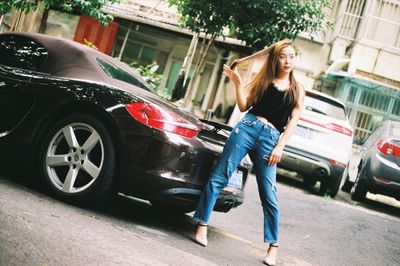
(276, 154)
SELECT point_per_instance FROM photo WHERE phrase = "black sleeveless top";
(274, 105)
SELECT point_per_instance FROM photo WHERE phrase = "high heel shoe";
(268, 260)
(201, 234)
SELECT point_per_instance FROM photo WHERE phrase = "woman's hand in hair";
(234, 64)
(233, 75)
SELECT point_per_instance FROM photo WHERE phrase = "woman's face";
(286, 59)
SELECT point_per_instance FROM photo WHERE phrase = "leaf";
(88, 7)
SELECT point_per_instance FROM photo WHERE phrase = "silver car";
(379, 166)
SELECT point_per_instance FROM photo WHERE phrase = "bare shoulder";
(300, 86)
(302, 90)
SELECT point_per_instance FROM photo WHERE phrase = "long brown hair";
(268, 72)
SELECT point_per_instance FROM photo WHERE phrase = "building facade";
(363, 61)
(357, 60)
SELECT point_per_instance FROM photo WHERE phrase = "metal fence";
(368, 107)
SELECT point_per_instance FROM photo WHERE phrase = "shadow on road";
(382, 206)
(140, 212)
(125, 208)
(298, 183)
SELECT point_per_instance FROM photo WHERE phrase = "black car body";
(91, 125)
(379, 165)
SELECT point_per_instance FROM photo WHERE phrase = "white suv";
(320, 147)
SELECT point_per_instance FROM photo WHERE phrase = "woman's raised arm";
(234, 76)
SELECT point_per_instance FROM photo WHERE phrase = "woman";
(274, 103)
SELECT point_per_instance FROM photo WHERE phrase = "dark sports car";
(91, 126)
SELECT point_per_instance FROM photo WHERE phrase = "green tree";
(5, 6)
(260, 23)
(87, 7)
(257, 22)
(207, 18)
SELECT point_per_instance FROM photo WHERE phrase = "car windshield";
(324, 106)
(121, 74)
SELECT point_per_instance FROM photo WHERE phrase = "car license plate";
(236, 180)
(304, 132)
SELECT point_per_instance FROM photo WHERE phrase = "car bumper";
(186, 197)
(166, 167)
(384, 177)
(309, 164)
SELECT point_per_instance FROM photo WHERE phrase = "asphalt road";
(38, 230)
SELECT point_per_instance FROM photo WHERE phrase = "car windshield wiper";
(315, 110)
(217, 126)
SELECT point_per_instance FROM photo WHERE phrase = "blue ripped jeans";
(253, 137)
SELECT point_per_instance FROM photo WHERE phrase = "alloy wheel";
(74, 157)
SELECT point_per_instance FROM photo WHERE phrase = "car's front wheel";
(309, 181)
(359, 190)
(77, 160)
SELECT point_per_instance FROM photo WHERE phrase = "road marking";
(238, 238)
(259, 250)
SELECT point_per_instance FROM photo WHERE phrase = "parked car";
(320, 147)
(91, 126)
(379, 163)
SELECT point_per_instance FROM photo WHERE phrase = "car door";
(19, 56)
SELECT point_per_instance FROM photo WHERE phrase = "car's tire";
(359, 190)
(346, 187)
(77, 160)
(330, 186)
(334, 185)
(323, 187)
(309, 181)
(171, 208)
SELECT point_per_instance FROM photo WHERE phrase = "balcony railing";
(374, 20)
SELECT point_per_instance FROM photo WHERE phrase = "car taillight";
(160, 118)
(331, 126)
(388, 148)
(339, 129)
(338, 164)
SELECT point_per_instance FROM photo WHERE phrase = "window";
(374, 100)
(121, 74)
(142, 55)
(396, 107)
(352, 94)
(350, 19)
(131, 52)
(21, 52)
(135, 52)
(325, 106)
(383, 22)
(147, 54)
